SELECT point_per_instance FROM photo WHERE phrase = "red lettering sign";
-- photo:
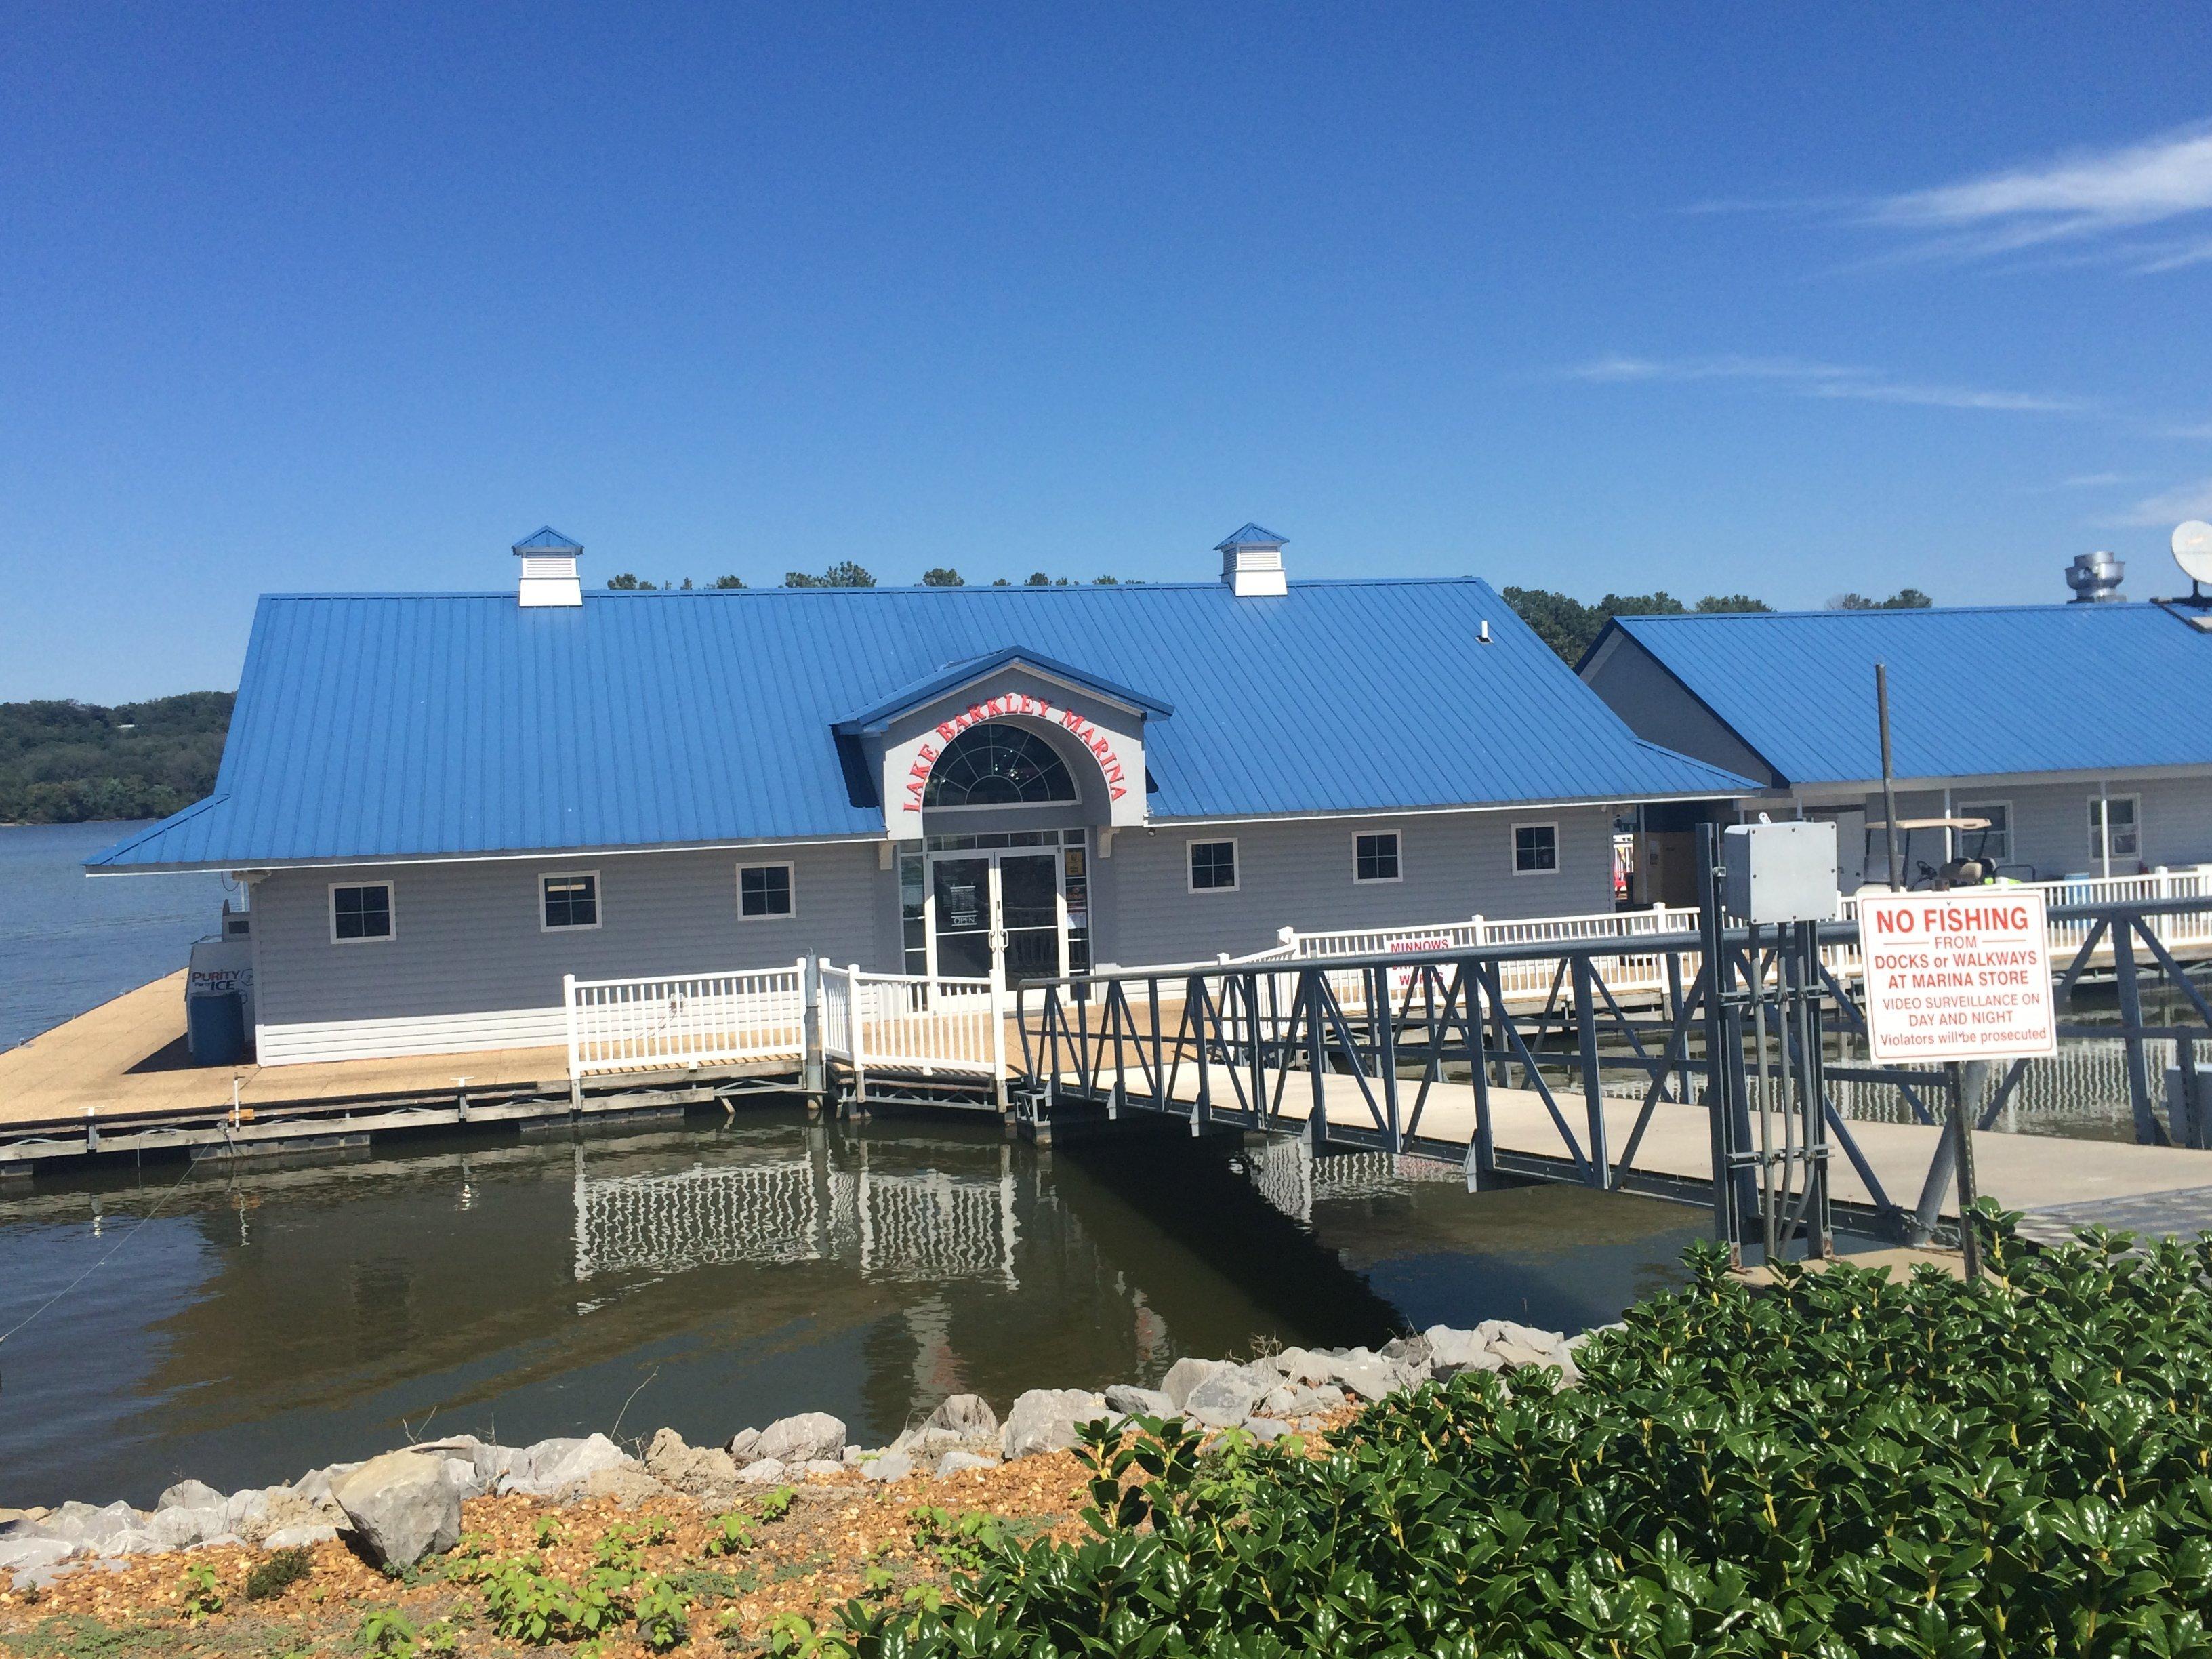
(1097, 742)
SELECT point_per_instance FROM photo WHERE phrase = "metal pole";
(1967, 1078)
(1727, 1226)
(1888, 778)
(1593, 1093)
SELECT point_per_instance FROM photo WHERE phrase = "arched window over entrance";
(996, 764)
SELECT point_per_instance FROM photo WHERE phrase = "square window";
(763, 890)
(1214, 866)
(1375, 858)
(2119, 813)
(571, 901)
(1994, 843)
(1535, 848)
(361, 913)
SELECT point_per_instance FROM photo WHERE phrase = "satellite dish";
(2192, 550)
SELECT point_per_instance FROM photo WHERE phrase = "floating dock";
(118, 1079)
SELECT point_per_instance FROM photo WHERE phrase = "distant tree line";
(1571, 628)
(847, 574)
(73, 762)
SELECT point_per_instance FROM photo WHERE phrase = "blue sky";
(1780, 299)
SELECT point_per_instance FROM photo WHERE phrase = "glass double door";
(1013, 895)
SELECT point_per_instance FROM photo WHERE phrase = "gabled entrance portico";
(997, 778)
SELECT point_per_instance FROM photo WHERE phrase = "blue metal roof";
(547, 540)
(1251, 535)
(958, 674)
(1973, 691)
(430, 725)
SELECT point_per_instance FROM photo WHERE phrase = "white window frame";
(1236, 864)
(2096, 841)
(1397, 857)
(598, 901)
(790, 887)
(1513, 847)
(391, 913)
(1980, 809)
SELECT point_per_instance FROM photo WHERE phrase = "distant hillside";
(68, 763)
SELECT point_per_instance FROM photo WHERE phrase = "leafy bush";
(1849, 1465)
(385, 1631)
(277, 1572)
(730, 1533)
(201, 1593)
(660, 1609)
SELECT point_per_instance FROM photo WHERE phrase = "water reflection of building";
(1288, 1176)
(930, 1225)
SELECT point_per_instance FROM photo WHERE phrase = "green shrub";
(385, 1631)
(276, 1573)
(201, 1593)
(1849, 1465)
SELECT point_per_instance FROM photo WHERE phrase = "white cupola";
(1252, 563)
(548, 569)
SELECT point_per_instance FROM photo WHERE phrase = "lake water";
(69, 942)
(243, 1328)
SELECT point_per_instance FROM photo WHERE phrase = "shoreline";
(395, 1510)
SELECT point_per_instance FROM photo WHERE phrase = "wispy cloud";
(1805, 379)
(2096, 480)
(2103, 197)
(2189, 500)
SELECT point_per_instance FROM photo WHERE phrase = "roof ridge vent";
(548, 569)
(1252, 563)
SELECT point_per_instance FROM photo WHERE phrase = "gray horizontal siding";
(468, 966)
(1300, 875)
(2051, 823)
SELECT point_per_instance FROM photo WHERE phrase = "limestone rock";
(745, 1447)
(1304, 1365)
(177, 1527)
(1411, 1352)
(282, 1508)
(1453, 1350)
(1046, 1419)
(89, 1527)
(800, 1439)
(1264, 1429)
(954, 1462)
(243, 1509)
(891, 1466)
(968, 1415)
(404, 1505)
(26, 1556)
(190, 1495)
(218, 1541)
(1133, 1401)
(761, 1471)
(1371, 1379)
(1226, 1395)
(823, 1466)
(1185, 1375)
(298, 1538)
(688, 1468)
(626, 1483)
(550, 1466)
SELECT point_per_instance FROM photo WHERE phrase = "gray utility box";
(2188, 1128)
(1779, 872)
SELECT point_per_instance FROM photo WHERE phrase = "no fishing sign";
(1957, 975)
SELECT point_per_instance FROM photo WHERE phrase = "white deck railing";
(2190, 929)
(957, 1027)
(698, 1019)
(925, 1027)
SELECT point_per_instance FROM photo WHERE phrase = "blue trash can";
(214, 1026)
